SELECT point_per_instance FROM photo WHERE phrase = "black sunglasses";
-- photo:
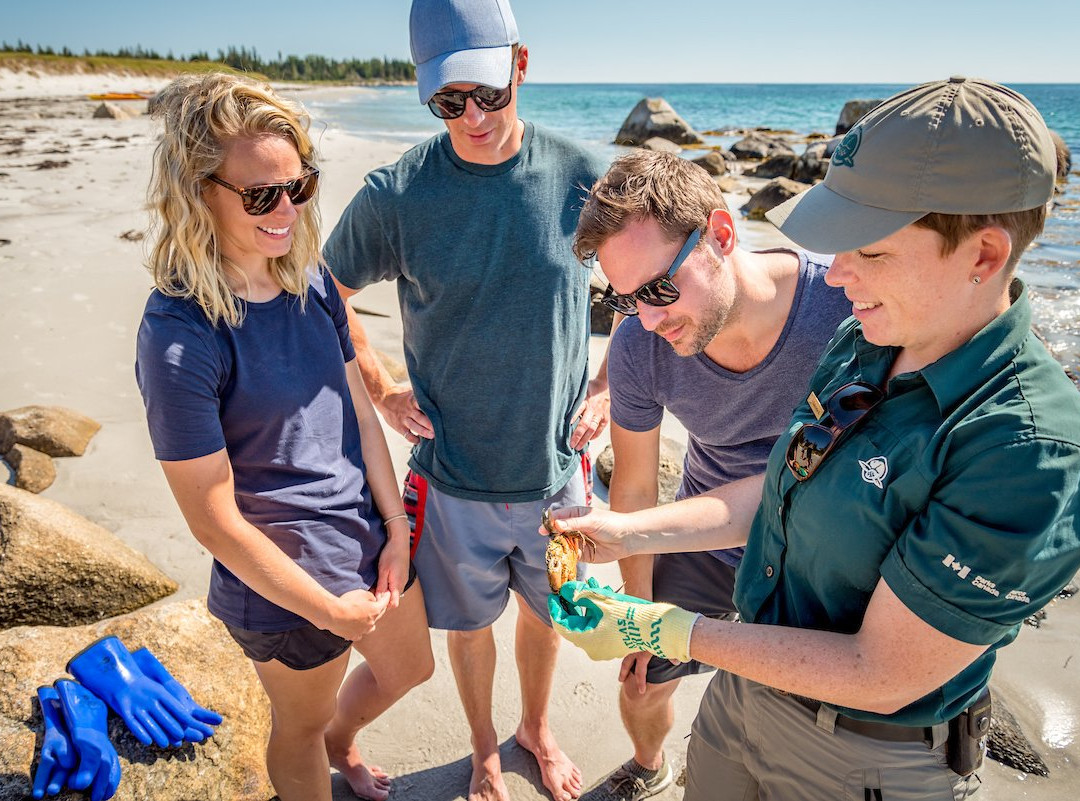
(263, 199)
(812, 442)
(451, 105)
(657, 292)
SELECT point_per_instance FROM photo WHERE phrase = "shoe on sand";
(632, 782)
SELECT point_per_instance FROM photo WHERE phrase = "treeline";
(283, 68)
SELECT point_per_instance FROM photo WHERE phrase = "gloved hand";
(88, 725)
(205, 719)
(150, 711)
(58, 756)
(607, 625)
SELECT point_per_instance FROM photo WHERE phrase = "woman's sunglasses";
(260, 200)
(658, 292)
(451, 105)
(812, 442)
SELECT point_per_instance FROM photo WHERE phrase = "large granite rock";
(661, 145)
(654, 116)
(34, 471)
(600, 316)
(1006, 743)
(757, 146)
(772, 194)
(115, 111)
(57, 568)
(50, 429)
(669, 473)
(197, 650)
(812, 165)
(714, 162)
(778, 166)
(851, 113)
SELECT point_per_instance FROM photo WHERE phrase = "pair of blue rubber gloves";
(75, 748)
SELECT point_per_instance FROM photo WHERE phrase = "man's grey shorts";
(698, 582)
(749, 741)
(470, 554)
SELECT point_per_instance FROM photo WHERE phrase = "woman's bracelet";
(388, 520)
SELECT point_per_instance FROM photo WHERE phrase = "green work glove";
(608, 625)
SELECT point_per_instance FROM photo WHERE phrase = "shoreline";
(73, 294)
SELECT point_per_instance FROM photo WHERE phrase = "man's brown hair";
(677, 193)
(1022, 227)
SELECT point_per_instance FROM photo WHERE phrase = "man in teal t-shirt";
(475, 225)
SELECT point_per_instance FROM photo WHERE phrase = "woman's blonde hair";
(201, 113)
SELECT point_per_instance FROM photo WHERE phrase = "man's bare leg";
(472, 657)
(536, 647)
(648, 717)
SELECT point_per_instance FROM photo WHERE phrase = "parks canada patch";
(844, 154)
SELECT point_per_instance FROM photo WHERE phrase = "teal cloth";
(494, 305)
(975, 523)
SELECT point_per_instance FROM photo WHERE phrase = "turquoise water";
(593, 113)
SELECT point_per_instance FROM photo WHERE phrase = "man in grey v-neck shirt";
(723, 338)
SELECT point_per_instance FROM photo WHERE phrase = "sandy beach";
(72, 192)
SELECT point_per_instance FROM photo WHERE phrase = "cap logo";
(844, 155)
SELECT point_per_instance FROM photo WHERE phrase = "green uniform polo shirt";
(960, 489)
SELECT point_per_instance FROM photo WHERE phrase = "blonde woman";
(266, 434)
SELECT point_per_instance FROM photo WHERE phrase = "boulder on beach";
(600, 315)
(34, 470)
(812, 165)
(54, 430)
(778, 166)
(669, 472)
(713, 162)
(654, 116)
(196, 649)
(661, 145)
(114, 111)
(852, 111)
(771, 195)
(758, 147)
(57, 568)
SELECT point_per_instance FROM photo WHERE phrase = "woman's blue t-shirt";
(273, 393)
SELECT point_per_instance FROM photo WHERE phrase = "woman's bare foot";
(367, 781)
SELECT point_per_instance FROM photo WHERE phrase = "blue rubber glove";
(205, 719)
(58, 756)
(88, 724)
(153, 715)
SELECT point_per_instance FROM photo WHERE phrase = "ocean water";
(593, 113)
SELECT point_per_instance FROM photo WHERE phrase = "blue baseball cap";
(461, 41)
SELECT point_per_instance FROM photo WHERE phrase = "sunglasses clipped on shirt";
(263, 199)
(812, 442)
(658, 292)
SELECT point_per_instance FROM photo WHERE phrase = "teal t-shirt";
(494, 305)
(961, 490)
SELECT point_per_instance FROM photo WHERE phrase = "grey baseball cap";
(461, 41)
(961, 146)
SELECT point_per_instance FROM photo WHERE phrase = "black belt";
(890, 732)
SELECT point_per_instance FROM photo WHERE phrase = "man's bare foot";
(367, 781)
(487, 780)
(560, 776)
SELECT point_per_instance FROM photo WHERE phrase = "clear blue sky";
(616, 41)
